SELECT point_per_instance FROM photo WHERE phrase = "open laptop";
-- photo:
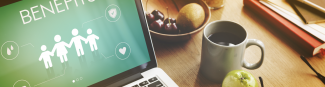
(77, 43)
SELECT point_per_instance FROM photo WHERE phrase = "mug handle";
(259, 63)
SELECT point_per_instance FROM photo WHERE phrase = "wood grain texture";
(282, 66)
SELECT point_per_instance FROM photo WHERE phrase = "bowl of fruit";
(170, 24)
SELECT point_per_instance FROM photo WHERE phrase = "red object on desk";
(302, 38)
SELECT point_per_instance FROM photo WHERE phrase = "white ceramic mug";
(217, 60)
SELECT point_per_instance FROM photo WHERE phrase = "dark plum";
(150, 17)
(158, 15)
(157, 26)
(172, 20)
(171, 28)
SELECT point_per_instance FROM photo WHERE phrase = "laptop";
(77, 43)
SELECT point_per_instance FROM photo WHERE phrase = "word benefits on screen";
(57, 7)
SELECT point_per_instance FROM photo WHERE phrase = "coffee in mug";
(223, 48)
(224, 38)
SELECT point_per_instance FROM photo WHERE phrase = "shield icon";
(112, 12)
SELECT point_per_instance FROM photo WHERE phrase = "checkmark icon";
(112, 12)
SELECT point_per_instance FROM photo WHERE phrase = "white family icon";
(60, 47)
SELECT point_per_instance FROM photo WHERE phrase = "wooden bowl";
(173, 8)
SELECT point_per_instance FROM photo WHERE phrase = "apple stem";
(168, 15)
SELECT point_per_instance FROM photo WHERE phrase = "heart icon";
(122, 50)
(112, 12)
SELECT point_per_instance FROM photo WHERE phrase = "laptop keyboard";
(152, 82)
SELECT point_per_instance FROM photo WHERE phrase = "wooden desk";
(282, 65)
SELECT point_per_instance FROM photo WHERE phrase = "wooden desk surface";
(282, 66)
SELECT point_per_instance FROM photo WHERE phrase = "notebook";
(310, 11)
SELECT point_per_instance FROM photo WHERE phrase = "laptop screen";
(69, 43)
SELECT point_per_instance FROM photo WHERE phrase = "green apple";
(239, 78)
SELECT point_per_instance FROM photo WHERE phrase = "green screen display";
(69, 43)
